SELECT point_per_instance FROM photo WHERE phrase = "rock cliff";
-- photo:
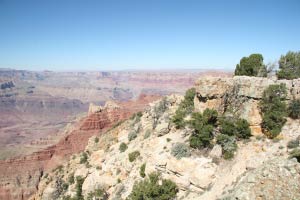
(203, 174)
(239, 95)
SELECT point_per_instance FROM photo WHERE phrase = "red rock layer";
(19, 177)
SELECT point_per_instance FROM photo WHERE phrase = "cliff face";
(204, 174)
(19, 178)
(239, 95)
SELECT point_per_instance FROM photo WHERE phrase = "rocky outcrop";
(239, 95)
(202, 175)
(194, 174)
(94, 109)
(105, 118)
(277, 179)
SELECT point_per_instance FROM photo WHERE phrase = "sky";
(78, 35)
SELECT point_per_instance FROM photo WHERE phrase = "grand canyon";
(149, 100)
(48, 116)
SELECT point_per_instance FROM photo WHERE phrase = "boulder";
(216, 152)
(162, 128)
(199, 171)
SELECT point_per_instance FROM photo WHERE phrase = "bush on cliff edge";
(273, 109)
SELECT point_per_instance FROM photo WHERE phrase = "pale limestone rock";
(97, 158)
(162, 128)
(216, 152)
(239, 95)
(182, 182)
(96, 181)
(199, 171)
(111, 105)
(94, 108)
(49, 193)
(276, 179)
(81, 171)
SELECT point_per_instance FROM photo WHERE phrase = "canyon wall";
(19, 177)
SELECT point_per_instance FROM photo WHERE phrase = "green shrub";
(133, 155)
(142, 170)
(123, 147)
(251, 66)
(178, 119)
(202, 138)
(169, 139)
(159, 110)
(235, 127)
(227, 126)
(71, 179)
(294, 109)
(273, 108)
(96, 140)
(203, 125)
(83, 158)
(210, 116)
(272, 124)
(98, 194)
(59, 168)
(293, 144)
(136, 117)
(228, 144)
(79, 182)
(132, 135)
(139, 114)
(65, 186)
(289, 66)
(184, 108)
(61, 186)
(242, 129)
(295, 154)
(149, 188)
(188, 103)
(180, 150)
(68, 197)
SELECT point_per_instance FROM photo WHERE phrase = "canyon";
(260, 164)
(37, 107)
(44, 117)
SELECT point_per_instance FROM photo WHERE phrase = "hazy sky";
(144, 34)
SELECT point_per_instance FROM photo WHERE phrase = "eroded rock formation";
(204, 175)
(19, 177)
(239, 95)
